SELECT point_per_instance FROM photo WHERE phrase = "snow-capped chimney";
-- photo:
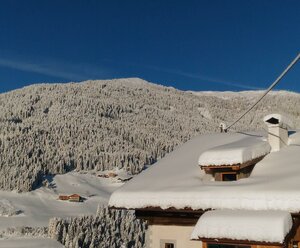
(277, 131)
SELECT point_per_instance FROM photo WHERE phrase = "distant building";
(71, 198)
(246, 194)
(74, 198)
(63, 197)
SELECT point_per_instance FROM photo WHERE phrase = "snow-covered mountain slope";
(108, 124)
(35, 208)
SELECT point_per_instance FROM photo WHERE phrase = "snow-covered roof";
(237, 152)
(263, 226)
(177, 181)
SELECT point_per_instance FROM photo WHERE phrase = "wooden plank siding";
(170, 217)
(253, 244)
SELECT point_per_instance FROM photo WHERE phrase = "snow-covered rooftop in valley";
(262, 226)
(177, 181)
(236, 152)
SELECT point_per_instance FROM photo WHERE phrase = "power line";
(266, 92)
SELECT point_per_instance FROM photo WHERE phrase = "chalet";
(110, 174)
(74, 198)
(71, 198)
(244, 195)
(63, 197)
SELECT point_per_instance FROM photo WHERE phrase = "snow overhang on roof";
(234, 153)
(243, 225)
(277, 120)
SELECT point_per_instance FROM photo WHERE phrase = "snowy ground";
(35, 208)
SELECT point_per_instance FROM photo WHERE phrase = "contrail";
(205, 78)
(55, 68)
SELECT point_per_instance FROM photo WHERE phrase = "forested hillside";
(108, 229)
(108, 124)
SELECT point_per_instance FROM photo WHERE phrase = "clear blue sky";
(195, 45)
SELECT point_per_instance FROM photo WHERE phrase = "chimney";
(277, 131)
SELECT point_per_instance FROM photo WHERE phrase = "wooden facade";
(74, 198)
(241, 244)
(63, 197)
(157, 216)
(71, 198)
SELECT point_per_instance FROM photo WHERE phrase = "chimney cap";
(277, 120)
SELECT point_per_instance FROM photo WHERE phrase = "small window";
(230, 176)
(169, 245)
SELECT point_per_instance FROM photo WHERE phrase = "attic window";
(169, 245)
(273, 121)
(229, 176)
(235, 158)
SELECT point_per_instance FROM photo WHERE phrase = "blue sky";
(190, 45)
